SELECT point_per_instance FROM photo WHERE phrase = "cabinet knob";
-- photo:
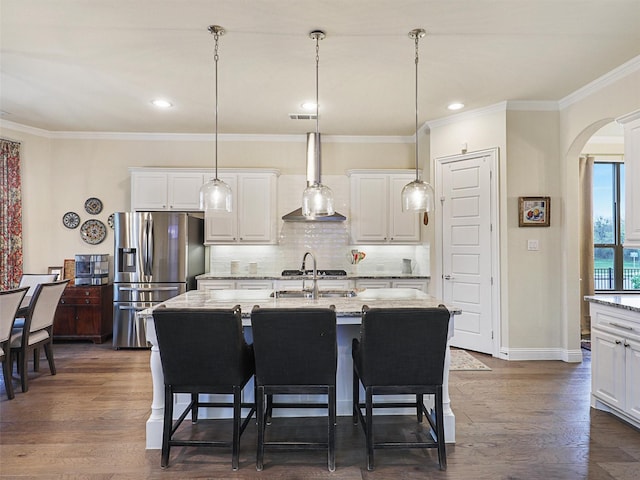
(86, 301)
(626, 345)
(618, 342)
(62, 300)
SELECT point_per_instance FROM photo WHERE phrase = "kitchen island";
(348, 310)
(615, 355)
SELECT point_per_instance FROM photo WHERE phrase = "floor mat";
(463, 360)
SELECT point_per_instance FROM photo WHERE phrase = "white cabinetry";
(376, 208)
(615, 361)
(165, 189)
(253, 219)
(323, 284)
(422, 285)
(235, 284)
(631, 124)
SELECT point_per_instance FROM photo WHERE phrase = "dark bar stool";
(401, 351)
(296, 354)
(203, 352)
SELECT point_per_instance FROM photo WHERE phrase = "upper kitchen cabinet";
(253, 218)
(631, 124)
(166, 189)
(376, 208)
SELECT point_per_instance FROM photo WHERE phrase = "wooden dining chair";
(37, 330)
(31, 280)
(10, 301)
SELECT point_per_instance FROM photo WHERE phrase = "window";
(615, 268)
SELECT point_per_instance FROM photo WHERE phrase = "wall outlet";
(532, 245)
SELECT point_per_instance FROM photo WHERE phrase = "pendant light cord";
(216, 37)
(317, 81)
(417, 39)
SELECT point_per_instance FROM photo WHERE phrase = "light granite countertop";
(628, 301)
(348, 276)
(348, 309)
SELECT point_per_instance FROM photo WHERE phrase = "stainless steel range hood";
(313, 176)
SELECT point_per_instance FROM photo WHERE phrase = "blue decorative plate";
(93, 232)
(93, 206)
(71, 220)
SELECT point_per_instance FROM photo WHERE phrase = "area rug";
(462, 360)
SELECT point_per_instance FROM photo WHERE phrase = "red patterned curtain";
(10, 215)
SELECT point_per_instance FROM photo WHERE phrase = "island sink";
(309, 294)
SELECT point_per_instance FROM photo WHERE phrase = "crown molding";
(458, 117)
(18, 127)
(605, 80)
(533, 105)
(201, 137)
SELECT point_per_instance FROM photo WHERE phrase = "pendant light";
(317, 199)
(215, 195)
(417, 196)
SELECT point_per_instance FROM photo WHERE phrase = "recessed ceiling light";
(309, 106)
(161, 103)
(455, 106)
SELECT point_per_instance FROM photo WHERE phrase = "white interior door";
(468, 246)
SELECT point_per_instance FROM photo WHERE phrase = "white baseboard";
(569, 356)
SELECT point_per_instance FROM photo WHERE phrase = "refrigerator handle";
(145, 249)
(150, 246)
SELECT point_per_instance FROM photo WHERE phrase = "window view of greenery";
(615, 267)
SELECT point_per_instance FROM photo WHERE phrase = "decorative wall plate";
(93, 232)
(110, 220)
(93, 205)
(71, 220)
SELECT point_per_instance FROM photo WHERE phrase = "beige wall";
(578, 122)
(540, 302)
(533, 169)
(538, 155)
(59, 174)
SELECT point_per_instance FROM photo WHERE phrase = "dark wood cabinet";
(85, 313)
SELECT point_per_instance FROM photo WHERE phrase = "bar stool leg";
(332, 428)
(260, 404)
(369, 427)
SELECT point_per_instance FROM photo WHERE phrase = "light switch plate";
(532, 245)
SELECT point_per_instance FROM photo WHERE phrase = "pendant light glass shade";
(417, 196)
(317, 199)
(215, 195)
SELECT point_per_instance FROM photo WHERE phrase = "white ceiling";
(95, 65)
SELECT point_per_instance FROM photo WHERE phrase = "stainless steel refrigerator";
(157, 256)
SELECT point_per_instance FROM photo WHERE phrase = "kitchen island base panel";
(346, 332)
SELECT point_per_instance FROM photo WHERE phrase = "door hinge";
(491, 281)
(491, 334)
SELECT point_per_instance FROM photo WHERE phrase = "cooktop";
(321, 273)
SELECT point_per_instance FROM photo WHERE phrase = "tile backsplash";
(328, 241)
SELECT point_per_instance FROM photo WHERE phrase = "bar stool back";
(296, 354)
(401, 351)
(203, 352)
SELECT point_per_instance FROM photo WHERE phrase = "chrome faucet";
(314, 293)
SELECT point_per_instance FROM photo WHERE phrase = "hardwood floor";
(522, 420)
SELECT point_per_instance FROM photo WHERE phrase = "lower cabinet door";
(633, 376)
(608, 368)
(65, 321)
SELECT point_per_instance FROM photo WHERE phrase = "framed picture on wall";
(534, 211)
(57, 271)
(70, 270)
